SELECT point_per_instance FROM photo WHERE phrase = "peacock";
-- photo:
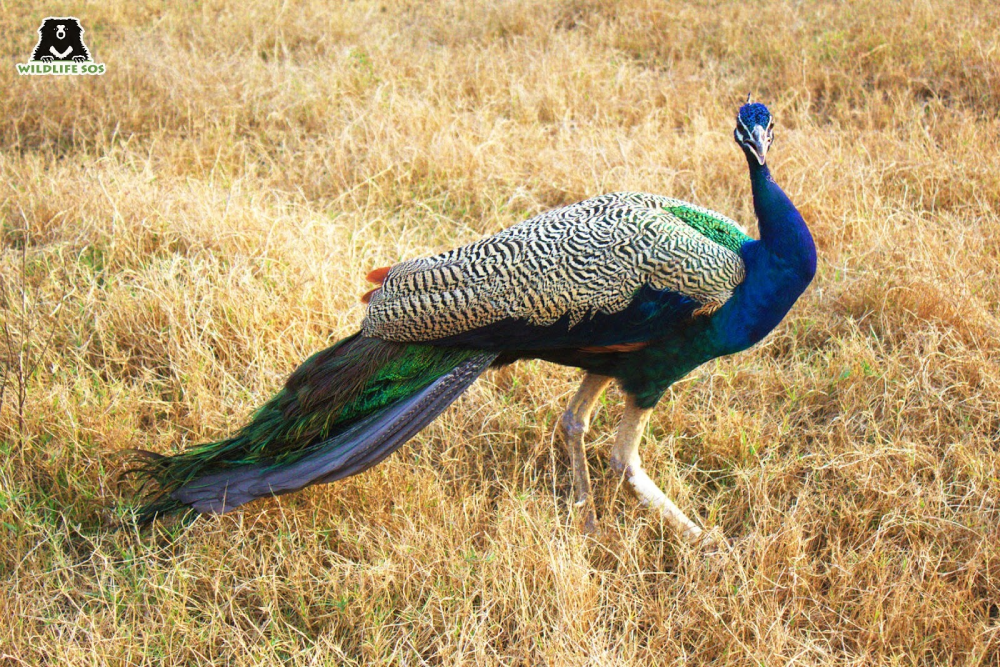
(634, 288)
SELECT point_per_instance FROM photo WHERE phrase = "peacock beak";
(759, 143)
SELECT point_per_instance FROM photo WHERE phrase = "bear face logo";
(60, 39)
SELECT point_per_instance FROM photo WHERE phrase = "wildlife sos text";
(60, 68)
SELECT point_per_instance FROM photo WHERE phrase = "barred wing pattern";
(575, 261)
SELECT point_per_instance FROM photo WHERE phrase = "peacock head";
(754, 130)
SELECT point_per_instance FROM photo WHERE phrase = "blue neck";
(783, 232)
(779, 266)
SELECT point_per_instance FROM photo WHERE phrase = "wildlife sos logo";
(60, 50)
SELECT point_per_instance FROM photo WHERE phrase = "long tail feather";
(358, 448)
(341, 412)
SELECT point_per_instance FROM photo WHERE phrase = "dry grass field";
(178, 234)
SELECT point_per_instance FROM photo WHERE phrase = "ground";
(180, 232)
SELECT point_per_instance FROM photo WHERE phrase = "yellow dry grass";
(178, 234)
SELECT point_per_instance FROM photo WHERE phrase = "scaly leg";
(625, 459)
(574, 425)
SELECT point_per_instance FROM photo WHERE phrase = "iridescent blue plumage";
(755, 113)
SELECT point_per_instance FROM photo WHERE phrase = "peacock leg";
(625, 459)
(574, 425)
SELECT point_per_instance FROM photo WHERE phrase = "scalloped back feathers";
(565, 265)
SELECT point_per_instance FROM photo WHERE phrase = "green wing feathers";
(711, 225)
(327, 395)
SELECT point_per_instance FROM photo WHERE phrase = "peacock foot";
(650, 495)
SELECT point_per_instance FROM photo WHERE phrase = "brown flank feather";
(377, 276)
(621, 347)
